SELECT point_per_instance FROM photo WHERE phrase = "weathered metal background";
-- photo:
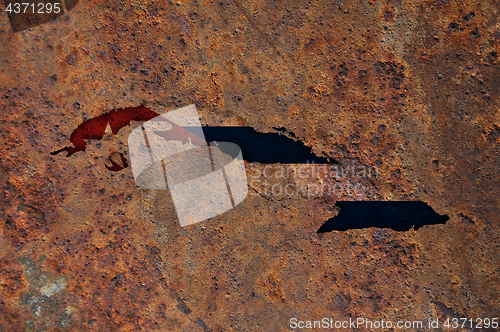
(411, 87)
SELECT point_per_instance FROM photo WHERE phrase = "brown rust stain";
(271, 287)
(411, 88)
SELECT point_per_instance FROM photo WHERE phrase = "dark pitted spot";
(493, 135)
(474, 34)
(468, 17)
(466, 219)
(491, 58)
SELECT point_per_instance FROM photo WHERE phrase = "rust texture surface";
(409, 87)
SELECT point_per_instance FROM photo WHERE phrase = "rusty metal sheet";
(409, 88)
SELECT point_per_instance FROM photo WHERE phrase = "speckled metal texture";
(411, 87)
